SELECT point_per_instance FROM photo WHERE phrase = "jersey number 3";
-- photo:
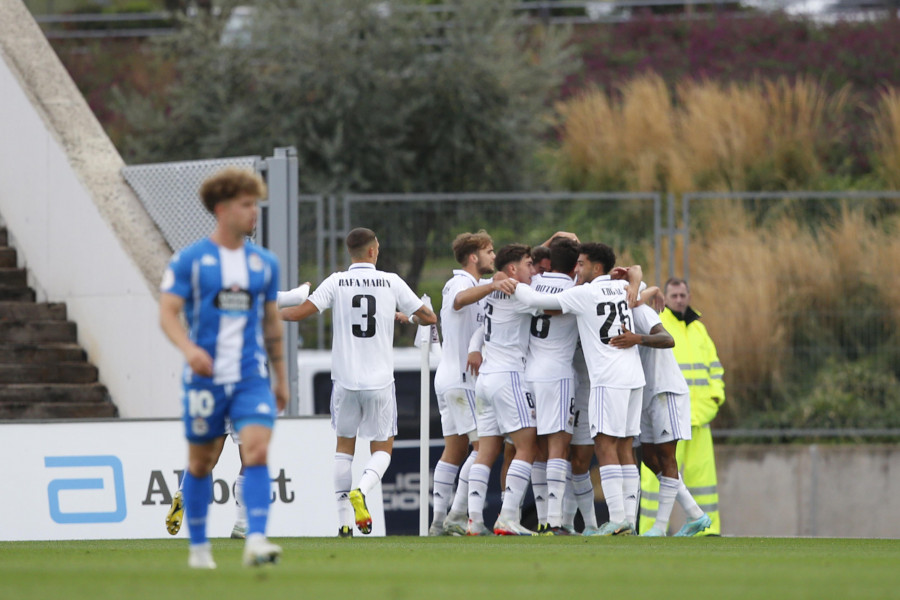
(367, 328)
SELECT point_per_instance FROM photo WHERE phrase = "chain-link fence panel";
(801, 294)
(170, 193)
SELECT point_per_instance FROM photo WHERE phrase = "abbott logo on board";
(77, 499)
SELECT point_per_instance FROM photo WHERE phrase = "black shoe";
(345, 532)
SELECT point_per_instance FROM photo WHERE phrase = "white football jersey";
(661, 370)
(507, 323)
(364, 301)
(457, 327)
(552, 340)
(601, 308)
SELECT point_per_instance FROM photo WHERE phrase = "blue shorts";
(247, 402)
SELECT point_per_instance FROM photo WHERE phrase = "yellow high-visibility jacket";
(699, 362)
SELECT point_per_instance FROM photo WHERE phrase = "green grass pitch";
(436, 568)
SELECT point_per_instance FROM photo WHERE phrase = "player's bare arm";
(423, 316)
(474, 294)
(272, 335)
(298, 313)
(170, 307)
(657, 338)
(654, 298)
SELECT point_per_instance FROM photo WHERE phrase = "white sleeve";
(323, 297)
(477, 341)
(529, 297)
(407, 301)
(645, 319)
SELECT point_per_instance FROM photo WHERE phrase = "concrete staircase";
(44, 374)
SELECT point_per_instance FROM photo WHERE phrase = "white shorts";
(554, 403)
(502, 404)
(666, 417)
(369, 414)
(615, 412)
(457, 408)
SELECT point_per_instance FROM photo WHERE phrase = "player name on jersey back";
(368, 282)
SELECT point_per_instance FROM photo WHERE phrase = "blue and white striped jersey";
(225, 293)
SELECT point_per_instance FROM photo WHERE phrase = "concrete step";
(32, 311)
(18, 332)
(42, 410)
(16, 293)
(48, 373)
(54, 393)
(14, 277)
(41, 353)
(8, 258)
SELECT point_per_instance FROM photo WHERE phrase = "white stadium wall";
(78, 228)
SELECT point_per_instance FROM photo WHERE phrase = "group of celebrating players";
(561, 357)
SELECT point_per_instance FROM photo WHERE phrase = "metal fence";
(799, 290)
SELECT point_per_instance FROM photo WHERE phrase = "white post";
(424, 432)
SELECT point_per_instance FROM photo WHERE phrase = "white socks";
(375, 468)
(478, 485)
(444, 476)
(557, 471)
(240, 510)
(687, 502)
(631, 483)
(583, 492)
(460, 507)
(668, 489)
(611, 482)
(343, 480)
(539, 488)
(517, 478)
(569, 505)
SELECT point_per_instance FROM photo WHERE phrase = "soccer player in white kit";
(363, 400)
(454, 386)
(502, 405)
(551, 378)
(602, 309)
(665, 415)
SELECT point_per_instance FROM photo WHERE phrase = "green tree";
(376, 97)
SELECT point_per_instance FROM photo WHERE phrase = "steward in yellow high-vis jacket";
(696, 355)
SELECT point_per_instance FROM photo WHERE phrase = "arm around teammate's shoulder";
(479, 292)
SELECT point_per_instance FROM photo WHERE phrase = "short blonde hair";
(230, 183)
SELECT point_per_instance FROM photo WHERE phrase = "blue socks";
(197, 496)
(257, 490)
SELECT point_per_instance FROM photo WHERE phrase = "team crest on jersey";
(255, 262)
(208, 260)
(199, 426)
(233, 300)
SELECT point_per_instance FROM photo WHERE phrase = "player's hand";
(473, 363)
(504, 285)
(566, 234)
(199, 360)
(632, 295)
(624, 340)
(653, 297)
(618, 273)
(281, 398)
(401, 318)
